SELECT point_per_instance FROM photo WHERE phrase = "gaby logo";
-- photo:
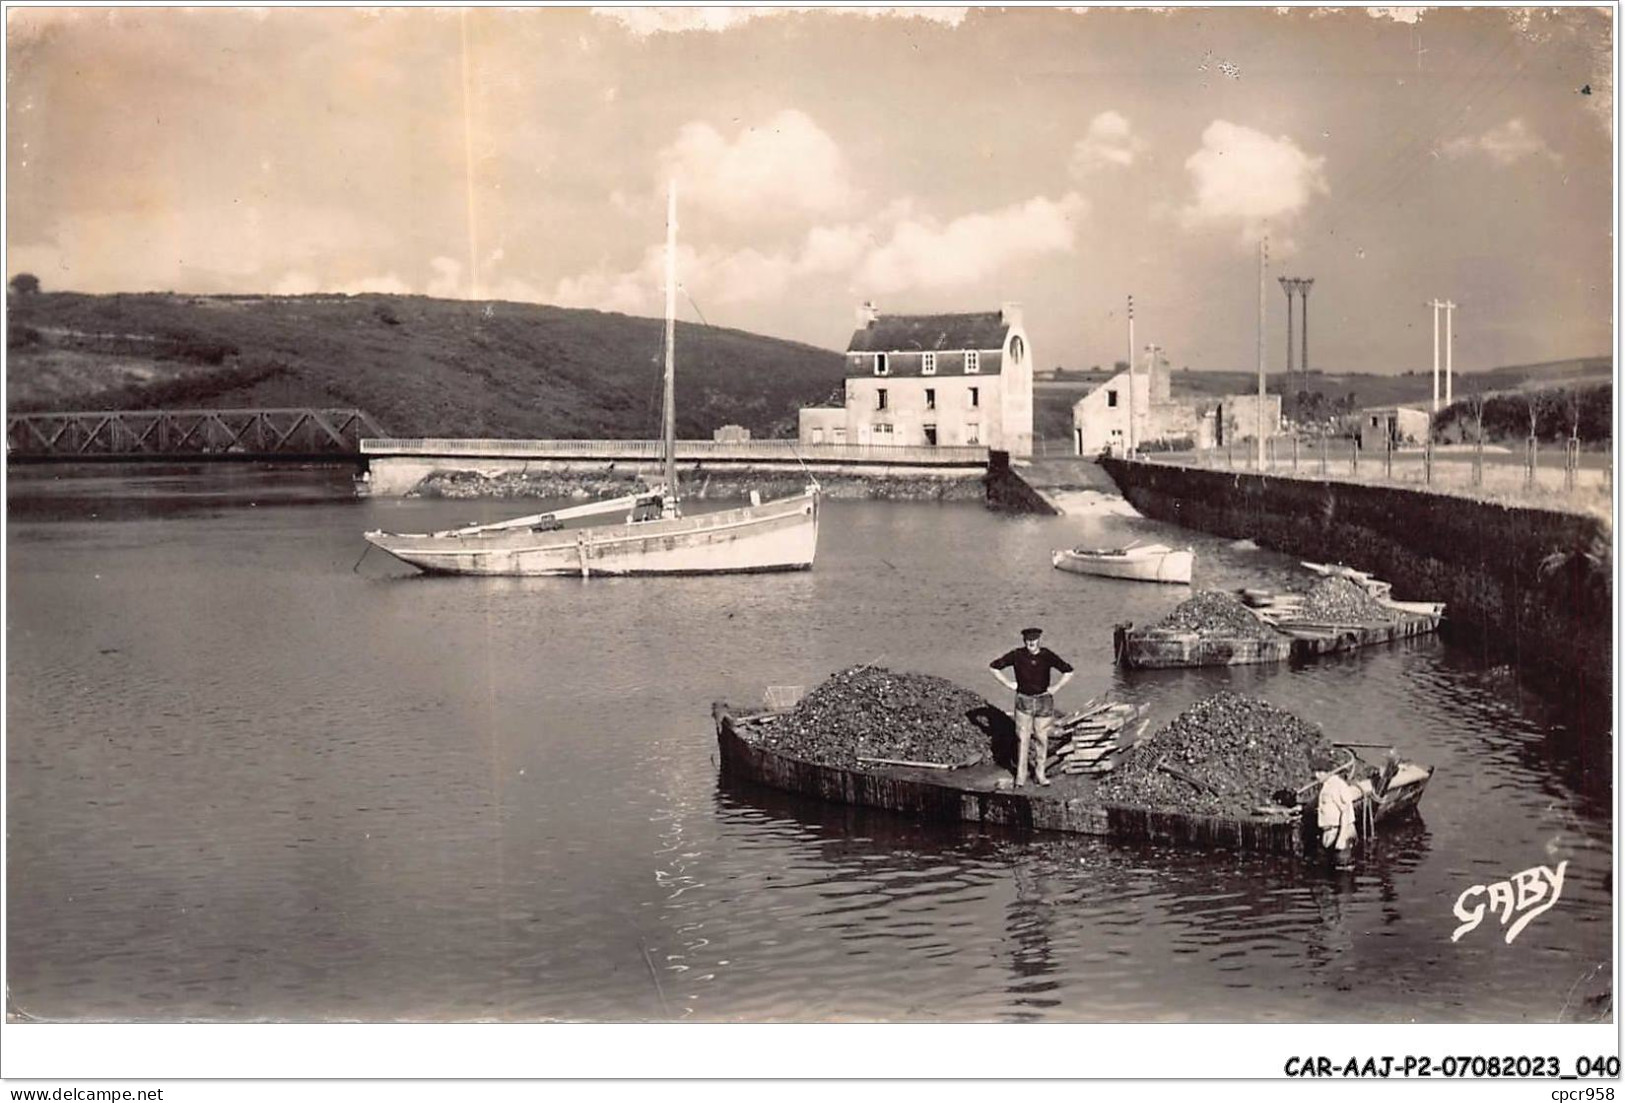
(1527, 894)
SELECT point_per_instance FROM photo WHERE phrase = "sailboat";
(654, 536)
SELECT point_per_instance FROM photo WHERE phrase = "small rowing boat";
(1136, 562)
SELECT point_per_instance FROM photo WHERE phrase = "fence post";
(1323, 448)
(1294, 452)
(1354, 457)
(1427, 461)
(1230, 454)
(1478, 460)
(1388, 458)
(1529, 464)
(1571, 464)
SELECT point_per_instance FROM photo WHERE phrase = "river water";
(250, 779)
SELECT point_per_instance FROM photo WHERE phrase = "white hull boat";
(774, 536)
(1137, 562)
(654, 537)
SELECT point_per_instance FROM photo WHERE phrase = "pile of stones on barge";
(1339, 601)
(1227, 755)
(1214, 614)
(869, 713)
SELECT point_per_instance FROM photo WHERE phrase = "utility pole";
(1304, 285)
(1130, 443)
(1449, 345)
(1290, 286)
(1263, 265)
(1435, 304)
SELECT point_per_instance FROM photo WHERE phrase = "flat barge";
(1163, 648)
(981, 794)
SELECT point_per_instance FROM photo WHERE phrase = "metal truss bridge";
(288, 435)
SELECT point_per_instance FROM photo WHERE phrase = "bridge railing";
(782, 451)
(104, 433)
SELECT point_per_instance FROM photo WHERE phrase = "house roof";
(931, 333)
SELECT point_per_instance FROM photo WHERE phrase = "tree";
(25, 283)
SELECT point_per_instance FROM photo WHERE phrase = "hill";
(422, 367)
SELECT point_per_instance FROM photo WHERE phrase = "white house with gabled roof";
(934, 379)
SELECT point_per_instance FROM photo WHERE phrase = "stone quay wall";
(592, 478)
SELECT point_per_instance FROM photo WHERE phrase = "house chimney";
(1010, 314)
(868, 314)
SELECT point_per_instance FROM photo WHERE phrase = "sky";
(934, 159)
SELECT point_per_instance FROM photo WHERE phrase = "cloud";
(786, 163)
(296, 283)
(1511, 141)
(447, 281)
(631, 292)
(644, 22)
(389, 284)
(1110, 141)
(899, 249)
(923, 253)
(1245, 178)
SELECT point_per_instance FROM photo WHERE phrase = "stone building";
(1100, 419)
(933, 379)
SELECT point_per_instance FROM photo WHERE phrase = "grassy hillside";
(422, 367)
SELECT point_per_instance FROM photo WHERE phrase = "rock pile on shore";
(1226, 755)
(1339, 601)
(1214, 613)
(870, 712)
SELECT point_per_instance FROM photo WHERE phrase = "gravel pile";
(1215, 613)
(1339, 601)
(1241, 750)
(873, 712)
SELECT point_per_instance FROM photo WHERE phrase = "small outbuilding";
(1397, 424)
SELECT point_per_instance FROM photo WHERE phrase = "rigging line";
(1419, 135)
(1482, 88)
(1418, 132)
(1481, 95)
(1419, 164)
(696, 307)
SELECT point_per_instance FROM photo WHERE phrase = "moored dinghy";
(1136, 562)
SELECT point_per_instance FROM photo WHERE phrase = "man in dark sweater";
(1035, 701)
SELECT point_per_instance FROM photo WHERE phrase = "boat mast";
(668, 421)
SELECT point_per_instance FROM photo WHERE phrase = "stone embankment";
(1530, 585)
(700, 486)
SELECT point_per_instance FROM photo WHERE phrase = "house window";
(1015, 350)
(883, 429)
(881, 367)
(930, 398)
(1111, 399)
(857, 362)
(975, 397)
(880, 398)
(931, 434)
(928, 364)
(839, 433)
(973, 362)
(973, 433)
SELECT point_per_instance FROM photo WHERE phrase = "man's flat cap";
(1031, 633)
